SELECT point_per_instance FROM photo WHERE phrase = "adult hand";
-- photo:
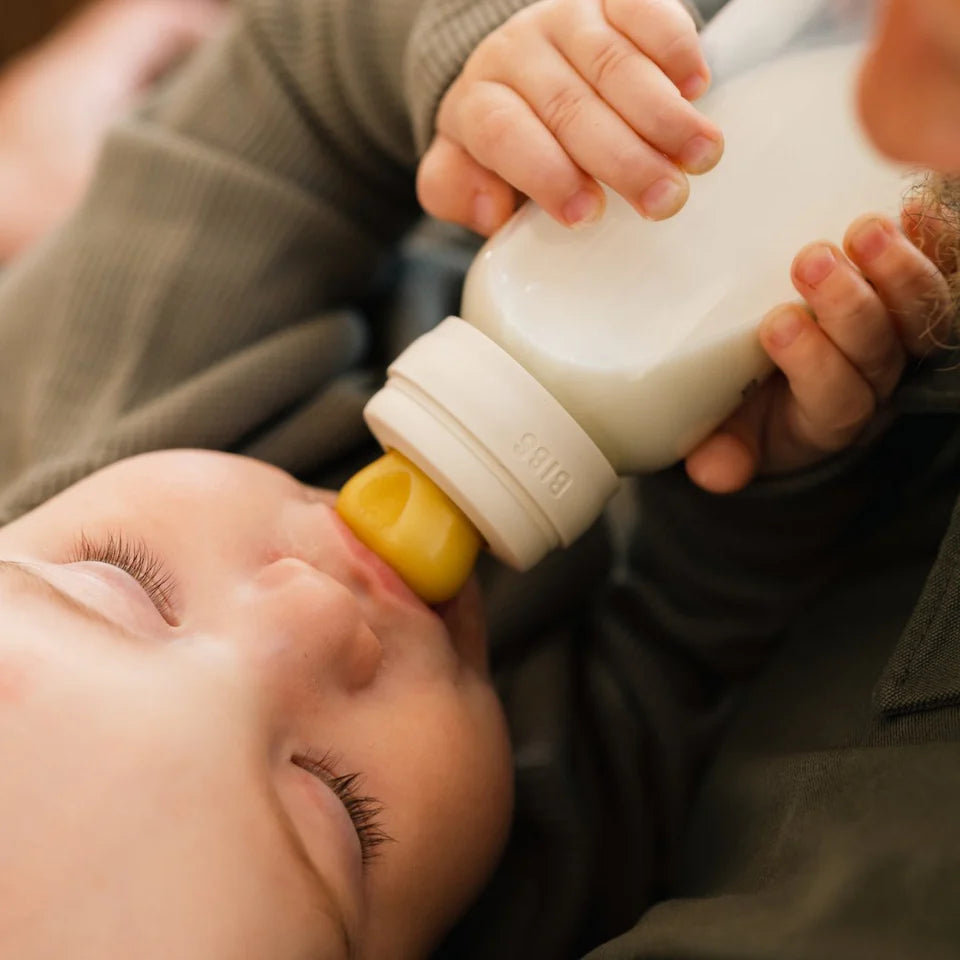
(57, 100)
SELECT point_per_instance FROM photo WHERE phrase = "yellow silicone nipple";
(406, 519)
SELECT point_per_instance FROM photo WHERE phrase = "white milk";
(645, 331)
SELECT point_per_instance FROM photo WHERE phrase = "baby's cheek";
(470, 777)
(13, 684)
(18, 672)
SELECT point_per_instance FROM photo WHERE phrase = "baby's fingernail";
(664, 198)
(694, 86)
(816, 265)
(700, 154)
(870, 240)
(484, 214)
(582, 207)
(783, 327)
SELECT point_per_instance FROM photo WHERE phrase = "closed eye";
(364, 811)
(136, 559)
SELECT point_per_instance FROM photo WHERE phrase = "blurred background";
(68, 70)
(26, 21)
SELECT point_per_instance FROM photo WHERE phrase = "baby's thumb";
(452, 186)
(723, 463)
(730, 457)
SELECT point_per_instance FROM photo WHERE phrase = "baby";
(226, 729)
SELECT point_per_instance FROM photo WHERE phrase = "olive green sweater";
(737, 738)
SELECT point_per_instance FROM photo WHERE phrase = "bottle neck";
(494, 440)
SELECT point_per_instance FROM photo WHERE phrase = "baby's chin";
(464, 619)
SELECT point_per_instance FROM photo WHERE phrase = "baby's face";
(178, 739)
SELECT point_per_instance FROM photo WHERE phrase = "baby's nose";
(313, 629)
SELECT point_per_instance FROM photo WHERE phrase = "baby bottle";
(584, 355)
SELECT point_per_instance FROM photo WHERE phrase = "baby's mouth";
(376, 570)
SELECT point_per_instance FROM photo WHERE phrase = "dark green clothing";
(825, 825)
(726, 744)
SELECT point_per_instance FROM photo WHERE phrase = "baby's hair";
(933, 206)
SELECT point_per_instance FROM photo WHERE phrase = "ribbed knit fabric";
(263, 187)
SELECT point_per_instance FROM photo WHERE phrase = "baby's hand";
(837, 360)
(567, 93)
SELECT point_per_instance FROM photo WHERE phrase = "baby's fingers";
(828, 402)
(729, 458)
(452, 186)
(665, 32)
(628, 78)
(498, 128)
(911, 287)
(851, 314)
